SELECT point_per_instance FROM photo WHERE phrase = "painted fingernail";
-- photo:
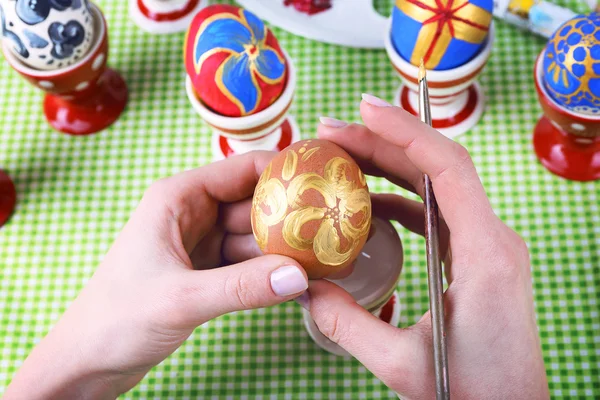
(304, 300)
(375, 101)
(332, 122)
(288, 280)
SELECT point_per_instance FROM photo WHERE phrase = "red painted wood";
(8, 197)
(388, 310)
(468, 109)
(92, 114)
(164, 17)
(569, 156)
(284, 141)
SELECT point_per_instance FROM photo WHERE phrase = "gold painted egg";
(312, 204)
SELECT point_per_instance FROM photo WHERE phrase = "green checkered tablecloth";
(75, 194)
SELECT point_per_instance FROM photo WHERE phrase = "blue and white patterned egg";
(47, 34)
(572, 64)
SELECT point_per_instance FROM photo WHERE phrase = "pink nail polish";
(332, 122)
(375, 101)
(288, 280)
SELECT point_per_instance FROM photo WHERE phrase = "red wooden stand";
(8, 197)
(569, 156)
(91, 114)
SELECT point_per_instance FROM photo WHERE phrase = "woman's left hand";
(159, 281)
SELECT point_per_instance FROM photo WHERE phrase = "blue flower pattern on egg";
(48, 34)
(244, 39)
(571, 64)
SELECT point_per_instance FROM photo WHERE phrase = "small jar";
(372, 283)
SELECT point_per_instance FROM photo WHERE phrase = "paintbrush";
(434, 265)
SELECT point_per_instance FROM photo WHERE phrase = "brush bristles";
(421, 71)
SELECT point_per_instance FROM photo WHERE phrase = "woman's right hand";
(492, 338)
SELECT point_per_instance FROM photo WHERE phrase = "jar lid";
(377, 268)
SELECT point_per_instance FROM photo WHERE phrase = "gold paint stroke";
(343, 200)
(270, 193)
(289, 166)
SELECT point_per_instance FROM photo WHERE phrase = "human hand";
(492, 339)
(158, 282)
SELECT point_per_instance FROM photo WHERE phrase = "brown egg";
(312, 204)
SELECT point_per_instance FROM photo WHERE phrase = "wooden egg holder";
(83, 98)
(567, 143)
(372, 283)
(457, 100)
(270, 129)
(173, 16)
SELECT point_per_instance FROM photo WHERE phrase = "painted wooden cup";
(457, 100)
(566, 142)
(8, 197)
(372, 283)
(164, 16)
(47, 34)
(269, 129)
(85, 97)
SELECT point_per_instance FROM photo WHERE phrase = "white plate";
(352, 23)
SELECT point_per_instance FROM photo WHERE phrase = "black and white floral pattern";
(48, 34)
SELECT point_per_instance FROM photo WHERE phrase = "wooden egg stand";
(457, 100)
(567, 143)
(269, 129)
(164, 17)
(85, 97)
(372, 288)
(8, 197)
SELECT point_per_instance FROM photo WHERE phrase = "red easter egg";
(234, 61)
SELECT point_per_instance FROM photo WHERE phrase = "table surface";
(75, 194)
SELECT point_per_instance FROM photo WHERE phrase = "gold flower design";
(343, 199)
(271, 193)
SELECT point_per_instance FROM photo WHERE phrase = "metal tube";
(434, 265)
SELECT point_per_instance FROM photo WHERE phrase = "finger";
(458, 190)
(409, 213)
(396, 356)
(185, 206)
(393, 207)
(260, 282)
(375, 155)
(238, 248)
(207, 253)
(236, 216)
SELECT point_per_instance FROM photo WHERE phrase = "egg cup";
(567, 143)
(8, 197)
(85, 97)
(457, 100)
(269, 129)
(164, 16)
(372, 283)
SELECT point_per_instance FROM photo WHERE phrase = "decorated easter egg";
(234, 61)
(312, 204)
(571, 64)
(47, 34)
(444, 33)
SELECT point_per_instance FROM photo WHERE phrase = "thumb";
(256, 283)
(396, 356)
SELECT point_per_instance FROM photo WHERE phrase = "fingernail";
(288, 280)
(332, 122)
(304, 300)
(375, 101)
